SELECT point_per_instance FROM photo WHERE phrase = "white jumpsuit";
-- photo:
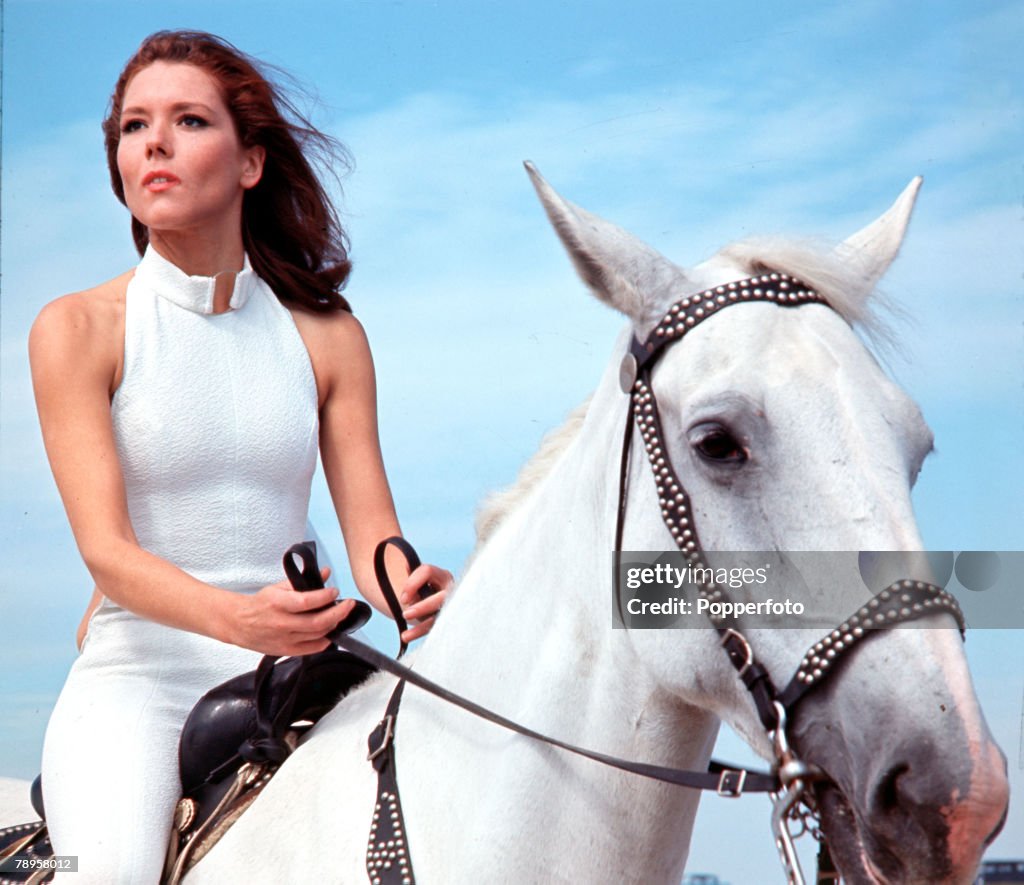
(216, 428)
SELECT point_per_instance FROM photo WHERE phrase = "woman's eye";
(718, 445)
(191, 120)
(130, 126)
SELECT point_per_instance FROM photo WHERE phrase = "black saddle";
(255, 717)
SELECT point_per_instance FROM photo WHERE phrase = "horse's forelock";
(842, 284)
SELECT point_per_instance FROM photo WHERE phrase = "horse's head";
(789, 437)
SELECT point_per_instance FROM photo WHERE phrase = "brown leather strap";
(726, 779)
(387, 850)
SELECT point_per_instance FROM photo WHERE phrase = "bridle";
(789, 781)
(902, 601)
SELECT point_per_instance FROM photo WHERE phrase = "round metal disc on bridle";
(627, 373)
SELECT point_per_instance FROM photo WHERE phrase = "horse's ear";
(874, 247)
(620, 269)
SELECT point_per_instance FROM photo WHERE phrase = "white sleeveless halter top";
(216, 425)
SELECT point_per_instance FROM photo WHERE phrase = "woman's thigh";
(110, 759)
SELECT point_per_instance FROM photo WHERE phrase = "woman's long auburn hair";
(289, 227)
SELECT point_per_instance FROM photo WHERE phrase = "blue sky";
(690, 124)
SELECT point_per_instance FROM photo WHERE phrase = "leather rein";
(789, 780)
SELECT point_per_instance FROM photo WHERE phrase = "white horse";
(824, 449)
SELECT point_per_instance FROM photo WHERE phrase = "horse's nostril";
(999, 826)
(887, 793)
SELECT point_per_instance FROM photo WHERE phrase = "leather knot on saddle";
(255, 717)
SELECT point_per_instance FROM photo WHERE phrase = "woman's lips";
(158, 181)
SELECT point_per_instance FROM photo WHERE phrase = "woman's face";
(183, 168)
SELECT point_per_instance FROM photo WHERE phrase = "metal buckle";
(748, 652)
(736, 790)
(388, 722)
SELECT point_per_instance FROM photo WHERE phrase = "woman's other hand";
(418, 610)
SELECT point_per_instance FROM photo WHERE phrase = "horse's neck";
(536, 596)
(529, 634)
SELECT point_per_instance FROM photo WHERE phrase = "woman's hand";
(279, 620)
(423, 611)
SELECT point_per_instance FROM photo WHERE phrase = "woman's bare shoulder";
(91, 319)
(338, 350)
(337, 336)
(336, 325)
(98, 303)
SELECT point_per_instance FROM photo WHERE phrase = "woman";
(183, 405)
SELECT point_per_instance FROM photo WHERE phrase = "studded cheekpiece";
(902, 601)
(684, 315)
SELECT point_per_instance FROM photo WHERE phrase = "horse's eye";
(714, 443)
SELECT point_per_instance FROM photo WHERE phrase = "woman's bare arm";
(351, 456)
(75, 347)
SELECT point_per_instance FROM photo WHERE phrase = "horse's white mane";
(839, 280)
